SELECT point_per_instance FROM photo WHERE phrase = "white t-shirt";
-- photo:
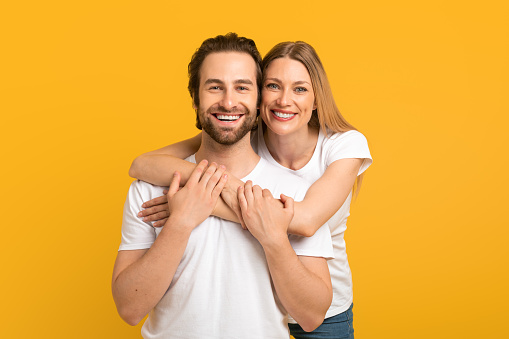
(351, 144)
(222, 287)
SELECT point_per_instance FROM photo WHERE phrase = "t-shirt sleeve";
(351, 144)
(318, 245)
(136, 234)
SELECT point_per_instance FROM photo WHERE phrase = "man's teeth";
(283, 115)
(228, 117)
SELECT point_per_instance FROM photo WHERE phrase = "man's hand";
(194, 202)
(265, 217)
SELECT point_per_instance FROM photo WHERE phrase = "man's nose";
(228, 100)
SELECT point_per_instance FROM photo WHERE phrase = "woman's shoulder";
(347, 137)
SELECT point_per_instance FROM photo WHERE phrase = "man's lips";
(223, 117)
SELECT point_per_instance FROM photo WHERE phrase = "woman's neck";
(293, 150)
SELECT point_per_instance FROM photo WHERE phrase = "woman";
(303, 132)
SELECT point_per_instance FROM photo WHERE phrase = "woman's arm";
(157, 167)
(325, 197)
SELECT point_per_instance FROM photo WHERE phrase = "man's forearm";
(138, 286)
(302, 283)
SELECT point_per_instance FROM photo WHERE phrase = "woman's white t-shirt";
(350, 144)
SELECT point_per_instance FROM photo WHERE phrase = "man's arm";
(302, 283)
(157, 167)
(141, 277)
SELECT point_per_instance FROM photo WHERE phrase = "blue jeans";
(337, 327)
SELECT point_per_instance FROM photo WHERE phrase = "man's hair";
(230, 42)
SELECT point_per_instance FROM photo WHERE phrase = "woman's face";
(287, 96)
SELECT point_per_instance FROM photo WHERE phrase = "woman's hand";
(156, 210)
(194, 202)
(265, 217)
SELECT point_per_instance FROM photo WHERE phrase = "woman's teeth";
(283, 115)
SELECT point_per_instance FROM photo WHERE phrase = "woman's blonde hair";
(326, 116)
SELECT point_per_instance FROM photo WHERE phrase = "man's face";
(228, 96)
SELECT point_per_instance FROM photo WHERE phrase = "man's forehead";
(228, 66)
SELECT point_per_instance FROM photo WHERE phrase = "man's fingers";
(257, 192)
(215, 178)
(216, 192)
(197, 172)
(242, 199)
(266, 193)
(175, 184)
(248, 192)
(209, 172)
(287, 201)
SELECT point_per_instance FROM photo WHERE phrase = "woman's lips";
(283, 115)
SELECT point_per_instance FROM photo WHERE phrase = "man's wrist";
(179, 223)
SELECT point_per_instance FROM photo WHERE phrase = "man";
(205, 277)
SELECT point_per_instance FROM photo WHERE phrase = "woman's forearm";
(325, 197)
(158, 169)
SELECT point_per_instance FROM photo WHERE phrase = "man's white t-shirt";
(351, 144)
(222, 287)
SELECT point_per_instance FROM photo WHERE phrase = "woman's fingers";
(153, 210)
(160, 223)
(157, 216)
(156, 201)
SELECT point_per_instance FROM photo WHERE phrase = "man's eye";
(214, 87)
(243, 88)
(301, 89)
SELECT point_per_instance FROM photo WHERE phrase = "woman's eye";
(301, 89)
(272, 86)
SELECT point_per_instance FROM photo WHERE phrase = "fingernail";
(143, 205)
(139, 214)
(222, 167)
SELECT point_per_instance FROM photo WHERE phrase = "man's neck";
(240, 158)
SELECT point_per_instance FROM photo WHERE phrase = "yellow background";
(88, 85)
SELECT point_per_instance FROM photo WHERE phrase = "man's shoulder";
(278, 180)
(145, 190)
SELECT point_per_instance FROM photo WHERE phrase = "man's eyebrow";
(243, 81)
(213, 81)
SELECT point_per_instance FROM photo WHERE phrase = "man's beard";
(227, 135)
